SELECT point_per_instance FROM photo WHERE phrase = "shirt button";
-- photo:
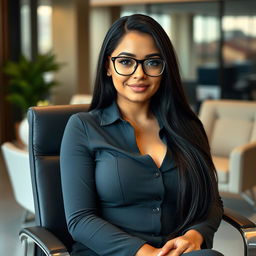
(157, 174)
(156, 210)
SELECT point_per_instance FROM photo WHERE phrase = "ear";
(108, 68)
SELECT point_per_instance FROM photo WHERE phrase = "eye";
(154, 62)
(125, 61)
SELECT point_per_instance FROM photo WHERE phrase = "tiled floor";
(11, 216)
(227, 240)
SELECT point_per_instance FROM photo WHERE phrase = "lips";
(138, 87)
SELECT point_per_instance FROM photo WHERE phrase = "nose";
(139, 72)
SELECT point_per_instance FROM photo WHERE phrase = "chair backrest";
(228, 124)
(46, 127)
(17, 164)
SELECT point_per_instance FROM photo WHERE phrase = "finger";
(167, 247)
(180, 247)
(174, 253)
(191, 248)
(163, 252)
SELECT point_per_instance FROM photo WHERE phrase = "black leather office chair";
(46, 127)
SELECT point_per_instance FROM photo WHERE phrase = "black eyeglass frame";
(137, 64)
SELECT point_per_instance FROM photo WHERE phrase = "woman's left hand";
(190, 241)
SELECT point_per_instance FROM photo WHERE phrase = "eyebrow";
(133, 55)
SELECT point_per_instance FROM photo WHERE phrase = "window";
(44, 12)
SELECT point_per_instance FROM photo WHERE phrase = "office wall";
(71, 45)
(101, 19)
(182, 38)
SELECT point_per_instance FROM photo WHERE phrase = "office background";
(215, 41)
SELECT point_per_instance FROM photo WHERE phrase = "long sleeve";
(80, 197)
(209, 226)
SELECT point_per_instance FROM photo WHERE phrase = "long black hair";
(186, 137)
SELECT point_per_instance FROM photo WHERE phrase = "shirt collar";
(112, 113)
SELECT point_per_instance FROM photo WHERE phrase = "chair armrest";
(51, 245)
(236, 220)
(242, 164)
(46, 241)
(246, 228)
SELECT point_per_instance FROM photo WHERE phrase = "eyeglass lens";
(127, 66)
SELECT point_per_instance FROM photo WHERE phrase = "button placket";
(157, 201)
(157, 174)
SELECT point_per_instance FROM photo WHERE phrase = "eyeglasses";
(126, 66)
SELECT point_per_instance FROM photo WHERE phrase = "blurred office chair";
(17, 163)
(46, 127)
(231, 129)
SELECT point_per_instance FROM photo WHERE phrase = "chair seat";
(222, 167)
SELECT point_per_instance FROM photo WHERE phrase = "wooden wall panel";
(9, 49)
(4, 124)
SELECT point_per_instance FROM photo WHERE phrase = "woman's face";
(137, 87)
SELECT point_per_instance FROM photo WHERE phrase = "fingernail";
(160, 253)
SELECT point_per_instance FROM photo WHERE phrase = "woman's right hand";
(148, 250)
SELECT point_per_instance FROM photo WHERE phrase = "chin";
(139, 99)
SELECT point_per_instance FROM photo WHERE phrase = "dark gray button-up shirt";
(116, 199)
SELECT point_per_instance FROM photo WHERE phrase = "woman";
(137, 173)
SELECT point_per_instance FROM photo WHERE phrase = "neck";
(136, 112)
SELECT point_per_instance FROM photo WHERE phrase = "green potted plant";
(28, 82)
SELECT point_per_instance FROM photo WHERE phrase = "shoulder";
(85, 118)
(81, 125)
